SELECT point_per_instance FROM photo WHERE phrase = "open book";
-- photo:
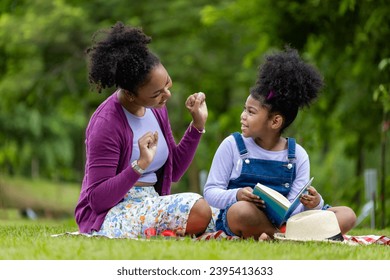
(277, 207)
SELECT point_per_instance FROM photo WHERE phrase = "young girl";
(131, 155)
(260, 154)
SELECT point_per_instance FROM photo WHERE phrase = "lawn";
(31, 240)
(23, 239)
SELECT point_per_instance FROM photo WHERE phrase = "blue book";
(277, 207)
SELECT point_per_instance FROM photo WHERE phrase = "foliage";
(40, 112)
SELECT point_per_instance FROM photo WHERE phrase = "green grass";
(22, 239)
(31, 240)
(38, 193)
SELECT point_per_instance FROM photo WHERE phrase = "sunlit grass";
(31, 240)
(22, 239)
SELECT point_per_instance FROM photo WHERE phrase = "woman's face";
(156, 91)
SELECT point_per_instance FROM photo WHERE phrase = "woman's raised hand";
(196, 105)
(147, 144)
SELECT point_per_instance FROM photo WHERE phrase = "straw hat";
(312, 225)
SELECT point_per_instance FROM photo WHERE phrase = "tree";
(40, 68)
(382, 94)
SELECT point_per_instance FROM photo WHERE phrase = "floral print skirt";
(143, 208)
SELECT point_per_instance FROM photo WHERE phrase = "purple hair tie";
(270, 95)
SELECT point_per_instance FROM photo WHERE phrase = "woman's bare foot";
(264, 237)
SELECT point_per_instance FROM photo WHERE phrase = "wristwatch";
(136, 167)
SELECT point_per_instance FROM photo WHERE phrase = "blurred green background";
(210, 46)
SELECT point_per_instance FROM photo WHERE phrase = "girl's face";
(156, 92)
(255, 121)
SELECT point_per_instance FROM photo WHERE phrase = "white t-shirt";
(140, 126)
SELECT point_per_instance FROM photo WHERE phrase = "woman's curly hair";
(120, 58)
(286, 83)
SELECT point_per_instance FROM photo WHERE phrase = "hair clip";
(270, 95)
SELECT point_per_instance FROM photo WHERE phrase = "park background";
(210, 46)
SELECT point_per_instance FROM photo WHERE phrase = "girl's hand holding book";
(246, 194)
(311, 199)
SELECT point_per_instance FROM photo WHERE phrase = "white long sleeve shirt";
(227, 165)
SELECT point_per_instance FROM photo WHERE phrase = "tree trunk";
(34, 168)
(382, 195)
(193, 175)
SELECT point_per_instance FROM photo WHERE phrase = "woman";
(131, 155)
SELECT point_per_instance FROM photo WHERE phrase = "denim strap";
(240, 144)
(291, 149)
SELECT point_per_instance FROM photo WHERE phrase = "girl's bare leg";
(248, 221)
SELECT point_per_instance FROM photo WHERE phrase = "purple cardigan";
(108, 174)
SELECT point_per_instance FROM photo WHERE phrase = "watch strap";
(136, 167)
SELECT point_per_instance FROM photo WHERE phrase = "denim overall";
(278, 175)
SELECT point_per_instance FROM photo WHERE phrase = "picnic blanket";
(220, 235)
(368, 239)
(348, 239)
